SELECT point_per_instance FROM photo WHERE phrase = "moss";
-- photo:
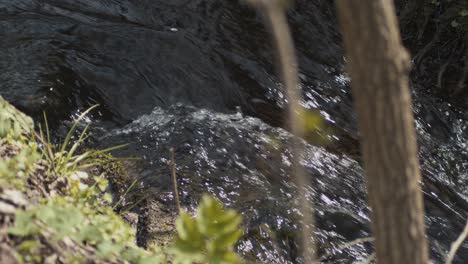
(18, 153)
(13, 123)
(156, 225)
(114, 171)
(17, 163)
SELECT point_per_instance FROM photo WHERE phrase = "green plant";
(83, 215)
(13, 123)
(208, 238)
(18, 153)
(60, 218)
(63, 158)
(16, 167)
(78, 223)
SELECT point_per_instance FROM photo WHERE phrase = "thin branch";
(369, 259)
(457, 244)
(174, 178)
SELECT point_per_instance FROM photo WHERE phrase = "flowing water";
(199, 76)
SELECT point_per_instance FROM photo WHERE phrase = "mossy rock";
(12, 121)
(17, 153)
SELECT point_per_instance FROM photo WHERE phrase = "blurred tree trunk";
(378, 66)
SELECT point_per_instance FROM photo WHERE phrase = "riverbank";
(54, 207)
(61, 204)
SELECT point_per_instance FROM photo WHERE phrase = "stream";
(199, 76)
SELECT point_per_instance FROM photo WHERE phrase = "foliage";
(13, 123)
(82, 218)
(15, 167)
(18, 153)
(311, 120)
(208, 238)
(81, 214)
(63, 158)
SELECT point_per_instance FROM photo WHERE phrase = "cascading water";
(173, 73)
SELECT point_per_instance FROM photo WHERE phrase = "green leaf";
(108, 249)
(24, 224)
(210, 237)
(12, 121)
(72, 129)
(29, 246)
(187, 228)
(228, 240)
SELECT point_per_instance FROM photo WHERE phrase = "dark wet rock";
(132, 56)
(436, 34)
(214, 155)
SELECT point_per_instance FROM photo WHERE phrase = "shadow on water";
(198, 75)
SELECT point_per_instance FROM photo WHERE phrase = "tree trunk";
(378, 66)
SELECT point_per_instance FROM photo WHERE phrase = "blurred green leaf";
(210, 237)
(24, 224)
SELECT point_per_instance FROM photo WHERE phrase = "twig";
(174, 178)
(276, 16)
(456, 244)
(348, 245)
(369, 259)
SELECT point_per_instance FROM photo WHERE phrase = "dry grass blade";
(456, 245)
